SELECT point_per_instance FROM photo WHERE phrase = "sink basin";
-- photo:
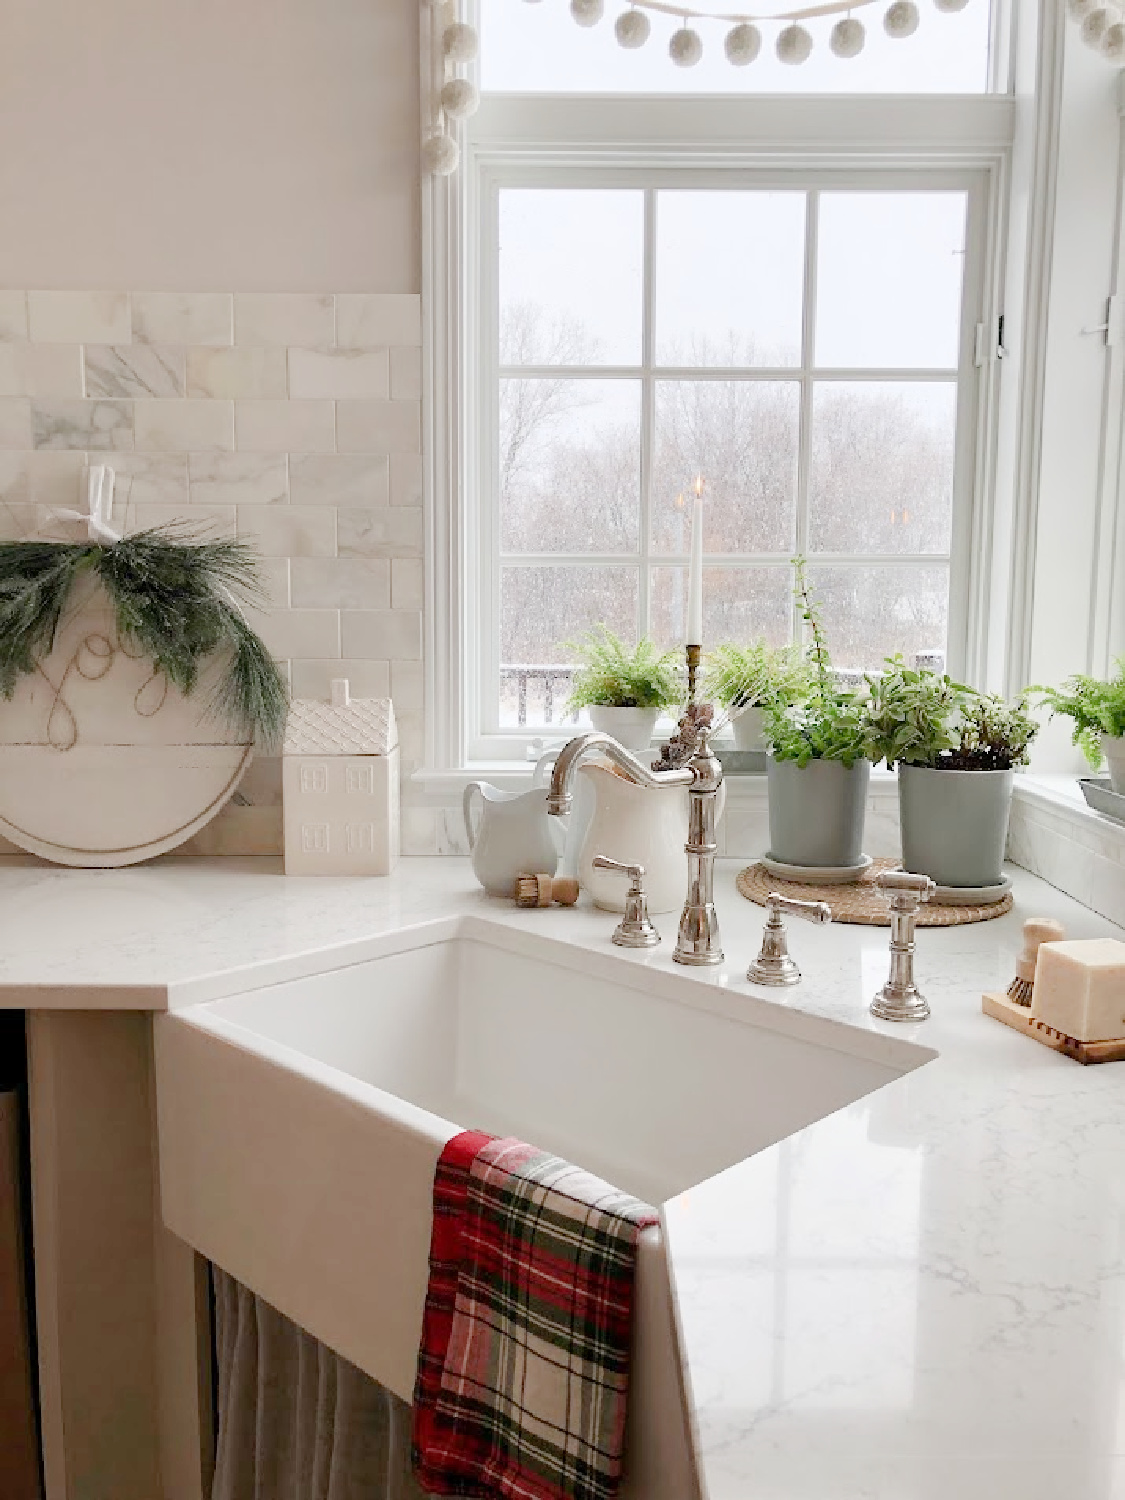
(300, 1123)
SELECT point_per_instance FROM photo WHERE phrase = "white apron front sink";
(300, 1124)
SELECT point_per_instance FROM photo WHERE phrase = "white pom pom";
(742, 45)
(1080, 9)
(794, 45)
(587, 12)
(1113, 41)
(686, 47)
(901, 19)
(440, 155)
(632, 29)
(950, 7)
(460, 42)
(847, 38)
(459, 98)
(1093, 27)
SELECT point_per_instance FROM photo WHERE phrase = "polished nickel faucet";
(698, 941)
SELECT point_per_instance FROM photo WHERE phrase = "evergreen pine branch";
(177, 600)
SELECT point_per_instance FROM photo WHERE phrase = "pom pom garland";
(1113, 41)
(460, 99)
(1094, 26)
(794, 45)
(460, 42)
(632, 29)
(686, 47)
(847, 38)
(1080, 9)
(950, 7)
(742, 44)
(440, 155)
(587, 12)
(901, 19)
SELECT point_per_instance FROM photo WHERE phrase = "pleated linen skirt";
(295, 1421)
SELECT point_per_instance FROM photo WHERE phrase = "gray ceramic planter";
(954, 823)
(816, 811)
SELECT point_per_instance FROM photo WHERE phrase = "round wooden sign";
(103, 762)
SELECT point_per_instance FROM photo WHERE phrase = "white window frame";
(860, 142)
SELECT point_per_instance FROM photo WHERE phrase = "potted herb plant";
(956, 750)
(819, 762)
(624, 688)
(1097, 708)
(746, 680)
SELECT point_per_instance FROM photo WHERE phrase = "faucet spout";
(560, 794)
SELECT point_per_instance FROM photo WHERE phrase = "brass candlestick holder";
(694, 655)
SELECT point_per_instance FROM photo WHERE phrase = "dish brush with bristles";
(1036, 931)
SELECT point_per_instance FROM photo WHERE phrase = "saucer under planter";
(954, 824)
(817, 811)
(817, 874)
(632, 727)
(1113, 748)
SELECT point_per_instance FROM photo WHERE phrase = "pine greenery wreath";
(177, 600)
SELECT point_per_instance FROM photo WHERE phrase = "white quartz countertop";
(921, 1297)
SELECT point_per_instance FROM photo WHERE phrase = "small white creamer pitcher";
(513, 834)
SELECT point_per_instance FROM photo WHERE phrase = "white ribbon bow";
(99, 506)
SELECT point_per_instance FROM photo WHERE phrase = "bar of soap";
(1080, 989)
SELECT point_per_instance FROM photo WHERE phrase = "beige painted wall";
(198, 145)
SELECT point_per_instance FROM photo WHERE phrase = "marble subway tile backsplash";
(291, 419)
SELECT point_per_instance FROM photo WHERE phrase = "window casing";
(814, 148)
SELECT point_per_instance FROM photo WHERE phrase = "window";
(800, 350)
(796, 299)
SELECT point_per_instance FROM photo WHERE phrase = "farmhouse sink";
(300, 1123)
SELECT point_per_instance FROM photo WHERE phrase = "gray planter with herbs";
(954, 824)
(816, 811)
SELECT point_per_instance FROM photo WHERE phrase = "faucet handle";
(635, 930)
(774, 964)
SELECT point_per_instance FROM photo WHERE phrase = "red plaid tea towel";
(524, 1367)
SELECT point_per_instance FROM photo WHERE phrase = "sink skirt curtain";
(295, 1421)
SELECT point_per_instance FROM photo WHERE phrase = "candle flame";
(698, 486)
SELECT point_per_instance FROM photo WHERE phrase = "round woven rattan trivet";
(861, 901)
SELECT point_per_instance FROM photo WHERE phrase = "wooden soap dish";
(1019, 1018)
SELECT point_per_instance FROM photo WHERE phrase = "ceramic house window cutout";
(340, 786)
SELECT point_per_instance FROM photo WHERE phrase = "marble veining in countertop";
(921, 1297)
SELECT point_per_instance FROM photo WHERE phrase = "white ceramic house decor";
(340, 786)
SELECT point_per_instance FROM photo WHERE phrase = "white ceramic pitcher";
(639, 826)
(514, 834)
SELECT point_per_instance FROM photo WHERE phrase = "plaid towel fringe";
(523, 1370)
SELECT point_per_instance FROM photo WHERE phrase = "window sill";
(1057, 801)
(443, 786)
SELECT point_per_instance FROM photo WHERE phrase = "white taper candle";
(695, 572)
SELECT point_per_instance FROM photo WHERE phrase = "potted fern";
(624, 688)
(746, 680)
(956, 750)
(1097, 708)
(819, 764)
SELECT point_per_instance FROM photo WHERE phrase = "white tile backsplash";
(133, 370)
(238, 478)
(254, 373)
(290, 419)
(184, 426)
(286, 426)
(280, 320)
(379, 426)
(13, 315)
(341, 479)
(339, 373)
(79, 317)
(102, 426)
(378, 320)
(183, 317)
